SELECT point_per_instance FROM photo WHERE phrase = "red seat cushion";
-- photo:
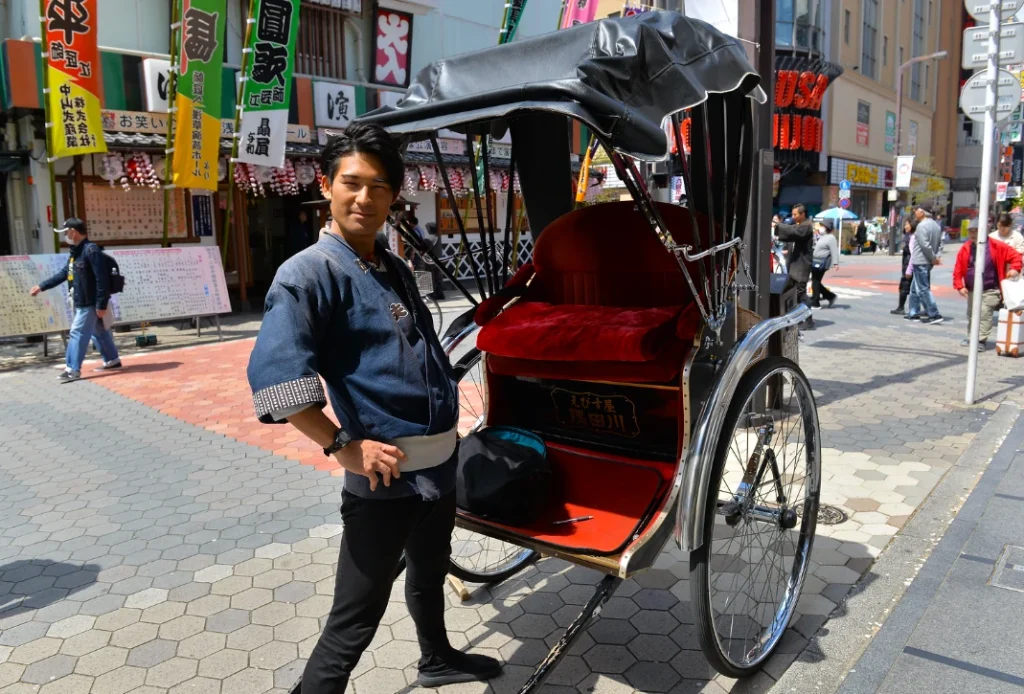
(540, 331)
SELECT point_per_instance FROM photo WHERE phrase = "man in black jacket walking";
(801, 235)
(90, 291)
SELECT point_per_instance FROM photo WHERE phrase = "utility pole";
(994, 20)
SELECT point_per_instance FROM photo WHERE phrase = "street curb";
(837, 646)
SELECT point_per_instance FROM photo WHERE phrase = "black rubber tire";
(522, 559)
(699, 559)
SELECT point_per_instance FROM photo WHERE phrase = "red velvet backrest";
(607, 255)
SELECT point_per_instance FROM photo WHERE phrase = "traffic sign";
(844, 194)
(844, 185)
(1011, 45)
(1001, 188)
(844, 203)
(979, 9)
(973, 95)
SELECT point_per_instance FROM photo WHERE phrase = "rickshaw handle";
(695, 473)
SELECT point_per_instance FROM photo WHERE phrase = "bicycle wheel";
(478, 558)
(436, 314)
(761, 513)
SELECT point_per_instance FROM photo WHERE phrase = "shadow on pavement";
(37, 583)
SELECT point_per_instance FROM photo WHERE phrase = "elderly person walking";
(825, 256)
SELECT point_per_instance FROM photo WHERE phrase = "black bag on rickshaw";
(504, 475)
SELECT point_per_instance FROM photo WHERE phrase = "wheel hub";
(788, 519)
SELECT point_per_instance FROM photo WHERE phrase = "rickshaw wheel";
(478, 558)
(760, 518)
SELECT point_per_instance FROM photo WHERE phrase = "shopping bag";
(1013, 294)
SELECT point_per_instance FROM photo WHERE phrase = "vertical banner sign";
(197, 135)
(73, 70)
(1017, 166)
(513, 13)
(264, 126)
(890, 131)
(392, 43)
(578, 12)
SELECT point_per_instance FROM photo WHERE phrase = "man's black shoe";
(456, 666)
(897, 312)
(914, 317)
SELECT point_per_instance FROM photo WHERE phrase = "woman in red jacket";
(1001, 262)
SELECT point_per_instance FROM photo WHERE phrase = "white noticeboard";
(160, 284)
(975, 46)
(972, 96)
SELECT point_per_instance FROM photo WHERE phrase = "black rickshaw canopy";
(620, 76)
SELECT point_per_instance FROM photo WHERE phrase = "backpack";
(116, 284)
(503, 475)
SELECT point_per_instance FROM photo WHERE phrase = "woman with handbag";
(825, 256)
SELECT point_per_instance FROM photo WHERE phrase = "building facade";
(872, 40)
(335, 65)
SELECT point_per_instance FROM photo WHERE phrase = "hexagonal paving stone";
(152, 653)
(120, 681)
(117, 619)
(272, 579)
(533, 626)
(208, 605)
(171, 672)
(273, 655)
(653, 622)
(202, 645)
(49, 669)
(380, 681)
(653, 648)
(164, 612)
(250, 637)
(223, 664)
(227, 621)
(197, 685)
(609, 659)
(297, 629)
(612, 631)
(294, 592)
(250, 681)
(34, 651)
(252, 598)
(277, 612)
(71, 684)
(72, 626)
(102, 661)
(286, 676)
(10, 673)
(147, 598)
(652, 677)
(212, 574)
(181, 628)
(133, 635)
(85, 643)
(231, 585)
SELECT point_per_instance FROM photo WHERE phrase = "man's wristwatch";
(341, 439)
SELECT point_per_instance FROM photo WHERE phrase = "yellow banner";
(77, 123)
(196, 147)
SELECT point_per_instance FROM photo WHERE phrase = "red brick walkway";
(206, 386)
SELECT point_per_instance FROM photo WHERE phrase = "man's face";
(972, 235)
(73, 237)
(798, 215)
(360, 195)
(1004, 230)
(919, 213)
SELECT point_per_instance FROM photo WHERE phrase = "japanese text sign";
(264, 127)
(197, 127)
(73, 72)
(334, 105)
(392, 47)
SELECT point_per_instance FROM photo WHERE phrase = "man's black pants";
(376, 533)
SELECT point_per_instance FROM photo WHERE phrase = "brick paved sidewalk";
(154, 540)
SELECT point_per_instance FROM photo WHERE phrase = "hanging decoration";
(410, 180)
(140, 172)
(305, 173)
(112, 167)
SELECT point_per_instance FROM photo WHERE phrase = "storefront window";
(798, 24)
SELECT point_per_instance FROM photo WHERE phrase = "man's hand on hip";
(370, 458)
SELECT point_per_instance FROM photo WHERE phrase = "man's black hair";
(801, 208)
(364, 138)
(1005, 220)
(413, 220)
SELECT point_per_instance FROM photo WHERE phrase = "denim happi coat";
(329, 313)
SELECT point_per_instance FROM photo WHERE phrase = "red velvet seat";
(585, 263)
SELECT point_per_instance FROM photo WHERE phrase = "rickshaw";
(621, 344)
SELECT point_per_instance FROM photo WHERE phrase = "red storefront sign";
(795, 93)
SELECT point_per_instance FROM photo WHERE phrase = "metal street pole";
(991, 98)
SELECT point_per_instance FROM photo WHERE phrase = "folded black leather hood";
(620, 76)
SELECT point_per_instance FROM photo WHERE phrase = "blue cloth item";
(520, 436)
(86, 325)
(921, 293)
(367, 333)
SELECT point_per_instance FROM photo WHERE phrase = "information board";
(160, 284)
(114, 214)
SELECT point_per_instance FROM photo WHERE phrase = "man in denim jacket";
(347, 311)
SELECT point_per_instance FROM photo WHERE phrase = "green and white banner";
(268, 81)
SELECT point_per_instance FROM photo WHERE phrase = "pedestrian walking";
(906, 274)
(1008, 235)
(1001, 262)
(926, 254)
(825, 256)
(89, 276)
(347, 311)
(800, 234)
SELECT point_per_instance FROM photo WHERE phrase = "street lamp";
(938, 55)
